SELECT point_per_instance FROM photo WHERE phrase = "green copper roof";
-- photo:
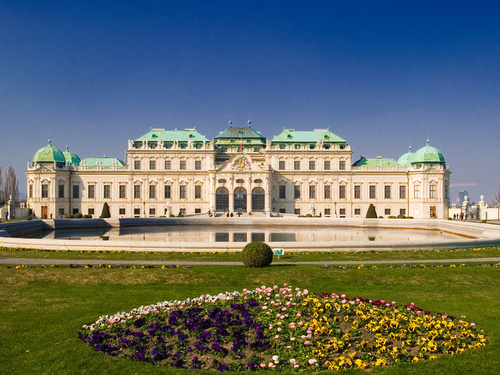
(292, 136)
(378, 162)
(172, 135)
(428, 154)
(103, 162)
(49, 154)
(406, 159)
(236, 134)
(71, 159)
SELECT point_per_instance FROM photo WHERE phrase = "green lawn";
(309, 256)
(43, 309)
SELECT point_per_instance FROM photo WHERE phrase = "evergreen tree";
(105, 211)
(11, 186)
(371, 213)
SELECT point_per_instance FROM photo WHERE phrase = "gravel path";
(32, 261)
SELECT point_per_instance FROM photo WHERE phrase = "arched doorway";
(258, 199)
(222, 199)
(240, 199)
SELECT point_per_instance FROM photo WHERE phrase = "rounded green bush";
(257, 254)
(400, 216)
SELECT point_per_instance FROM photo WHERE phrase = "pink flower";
(307, 342)
(295, 366)
(277, 336)
(312, 361)
(262, 365)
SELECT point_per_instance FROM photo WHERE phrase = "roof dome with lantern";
(71, 158)
(406, 159)
(428, 154)
(49, 155)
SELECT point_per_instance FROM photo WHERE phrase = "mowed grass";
(299, 256)
(43, 309)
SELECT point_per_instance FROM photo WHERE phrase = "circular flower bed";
(280, 328)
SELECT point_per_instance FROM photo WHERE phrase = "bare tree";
(2, 200)
(11, 186)
(496, 197)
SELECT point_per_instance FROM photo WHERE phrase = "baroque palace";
(181, 172)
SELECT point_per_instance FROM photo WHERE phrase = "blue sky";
(383, 75)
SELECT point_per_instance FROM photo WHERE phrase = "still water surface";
(247, 233)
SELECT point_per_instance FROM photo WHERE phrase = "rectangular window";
(282, 210)
(416, 191)
(357, 211)
(342, 212)
(91, 191)
(197, 192)
(296, 211)
(30, 191)
(312, 165)
(197, 210)
(281, 165)
(296, 165)
(326, 166)
(76, 191)
(182, 192)
(296, 191)
(312, 192)
(197, 165)
(357, 191)
(45, 191)
(61, 191)
(137, 191)
(372, 192)
(387, 211)
(152, 164)
(342, 192)
(122, 191)
(282, 191)
(137, 164)
(432, 191)
(402, 191)
(402, 211)
(168, 165)
(107, 191)
(387, 191)
(182, 165)
(327, 212)
(121, 211)
(167, 191)
(342, 165)
(182, 211)
(327, 192)
(152, 191)
(152, 211)
(90, 211)
(137, 212)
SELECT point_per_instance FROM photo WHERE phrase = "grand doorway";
(240, 199)
(258, 199)
(222, 199)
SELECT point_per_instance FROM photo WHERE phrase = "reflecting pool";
(247, 233)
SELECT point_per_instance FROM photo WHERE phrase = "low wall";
(474, 234)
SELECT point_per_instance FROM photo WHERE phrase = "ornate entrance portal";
(258, 199)
(240, 199)
(222, 199)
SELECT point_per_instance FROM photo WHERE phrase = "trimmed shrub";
(257, 254)
(401, 216)
(392, 217)
(29, 218)
(87, 216)
(171, 215)
(371, 213)
(78, 215)
(309, 215)
(409, 217)
(105, 211)
(68, 216)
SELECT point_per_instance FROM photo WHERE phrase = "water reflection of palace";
(181, 172)
(211, 234)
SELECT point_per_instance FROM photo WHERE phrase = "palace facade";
(172, 172)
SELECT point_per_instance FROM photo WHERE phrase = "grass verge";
(43, 309)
